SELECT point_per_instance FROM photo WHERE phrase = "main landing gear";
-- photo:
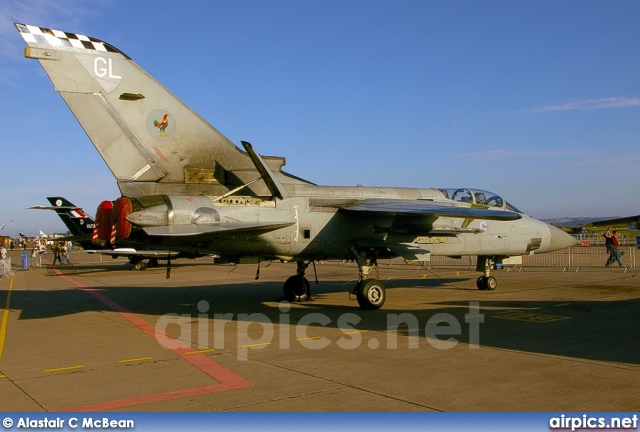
(370, 293)
(486, 282)
(297, 288)
(137, 263)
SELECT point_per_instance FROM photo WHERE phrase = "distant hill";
(571, 222)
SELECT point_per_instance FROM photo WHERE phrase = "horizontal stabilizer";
(428, 208)
(225, 227)
(41, 207)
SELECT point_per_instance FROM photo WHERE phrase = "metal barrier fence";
(80, 257)
(582, 257)
(598, 239)
(5, 267)
(574, 258)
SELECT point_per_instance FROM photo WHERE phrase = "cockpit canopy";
(478, 197)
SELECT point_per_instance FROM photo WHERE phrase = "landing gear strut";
(486, 282)
(297, 288)
(370, 293)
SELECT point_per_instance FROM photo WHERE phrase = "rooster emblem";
(162, 125)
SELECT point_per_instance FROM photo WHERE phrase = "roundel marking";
(58, 203)
(160, 125)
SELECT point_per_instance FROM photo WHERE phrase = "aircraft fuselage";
(319, 229)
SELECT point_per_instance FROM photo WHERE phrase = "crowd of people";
(60, 249)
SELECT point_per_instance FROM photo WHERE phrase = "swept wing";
(427, 208)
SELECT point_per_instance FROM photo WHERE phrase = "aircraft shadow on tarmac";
(591, 330)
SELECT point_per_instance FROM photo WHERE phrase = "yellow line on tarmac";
(5, 317)
(256, 345)
(63, 368)
(356, 331)
(2, 376)
(134, 359)
(208, 350)
(309, 338)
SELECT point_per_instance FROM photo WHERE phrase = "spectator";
(607, 239)
(64, 255)
(56, 253)
(614, 255)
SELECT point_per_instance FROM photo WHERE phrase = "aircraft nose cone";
(559, 239)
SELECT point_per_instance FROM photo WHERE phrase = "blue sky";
(537, 101)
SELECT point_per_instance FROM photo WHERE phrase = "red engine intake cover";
(121, 208)
(103, 223)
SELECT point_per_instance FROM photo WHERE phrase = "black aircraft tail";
(76, 220)
(79, 224)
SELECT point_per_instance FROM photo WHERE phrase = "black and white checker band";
(56, 38)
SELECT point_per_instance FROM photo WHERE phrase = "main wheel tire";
(490, 283)
(297, 289)
(480, 283)
(371, 294)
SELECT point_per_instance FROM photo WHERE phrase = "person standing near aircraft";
(64, 255)
(34, 256)
(614, 255)
(56, 254)
(607, 239)
(4, 267)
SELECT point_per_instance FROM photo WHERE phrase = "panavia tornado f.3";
(187, 188)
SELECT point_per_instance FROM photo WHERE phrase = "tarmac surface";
(100, 337)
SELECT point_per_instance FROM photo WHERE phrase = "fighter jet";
(83, 228)
(186, 187)
(632, 223)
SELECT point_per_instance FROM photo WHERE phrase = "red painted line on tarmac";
(159, 397)
(227, 380)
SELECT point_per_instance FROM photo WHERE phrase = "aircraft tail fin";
(151, 141)
(75, 219)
